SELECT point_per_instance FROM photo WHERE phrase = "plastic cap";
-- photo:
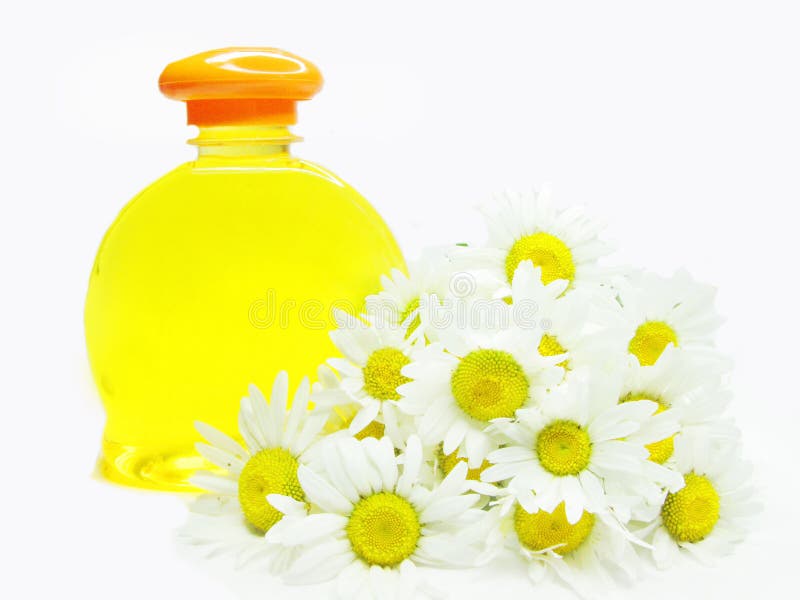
(241, 86)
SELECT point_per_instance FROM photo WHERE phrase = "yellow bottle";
(225, 270)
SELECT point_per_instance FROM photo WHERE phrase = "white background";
(677, 122)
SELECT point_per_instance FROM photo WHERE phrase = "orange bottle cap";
(234, 86)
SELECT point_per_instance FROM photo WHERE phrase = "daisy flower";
(586, 325)
(235, 515)
(566, 449)
(527, 227)
(339, 408)
(434, 273)
(372, 522)
(375, 353)
(687, 391)
(443, 465)
(709, 514)
(472, 376)
(587, 555)
(661, 311)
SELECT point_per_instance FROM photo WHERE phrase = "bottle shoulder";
(279, 166)
(277, 180)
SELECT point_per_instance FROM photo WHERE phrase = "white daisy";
(586, 325)
(566, 449)
(687, 393)
(686, 390)
(474, 375)
(372, 522)
(527, 227)
(236, 514)
(370, 373)
(661, 311)
(443, 464)
(340, 408)
(709, 514)
(587, 555)
(433, 273)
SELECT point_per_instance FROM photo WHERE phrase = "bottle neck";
(243, 141)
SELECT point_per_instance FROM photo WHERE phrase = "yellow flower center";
(374, 429)
(545, 251)
(270, 471)
(488, 384)
(691, 513)
(449, 462)
(383, 529)
(550, 346)
(659, 451)
(542, 530)
(649, 341)
(412, 306)
(382, 373)
(563, 448)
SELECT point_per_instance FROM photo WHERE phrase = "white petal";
(476, 446)
(444, 551)
(287, 505)
(249, 429)
(453, 484)
(339, 474)
(360, 470)
(382, 582)
(454, 436)
(221, 458)
(311, 528)
(215, 483)
(321, 562)
(618, 456)
(262, 417)
(365, 416)
(511, 454)
(500, 472)
(665, 550)
(352, 580)
(574, 499)
(220, 440)
(277, 405)
(448, 507)
(593, 489)
(382, 456)
(296, 413)
(537, 571)
(408, 580)
(309, 431)
(318, 491)
(411, 466)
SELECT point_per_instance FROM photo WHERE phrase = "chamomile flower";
(375, 353)
(586, 325)
(661, 311)
(475, 375)
(564, 450)
(588, 555)
(235, 515)
(709, 514)
(564, 244)
(340, 408)
(398, 302)
(687, 390)
(443, 464)
(372, 522)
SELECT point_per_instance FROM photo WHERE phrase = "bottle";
(225, 270)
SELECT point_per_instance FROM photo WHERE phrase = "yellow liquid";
(220, 274)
